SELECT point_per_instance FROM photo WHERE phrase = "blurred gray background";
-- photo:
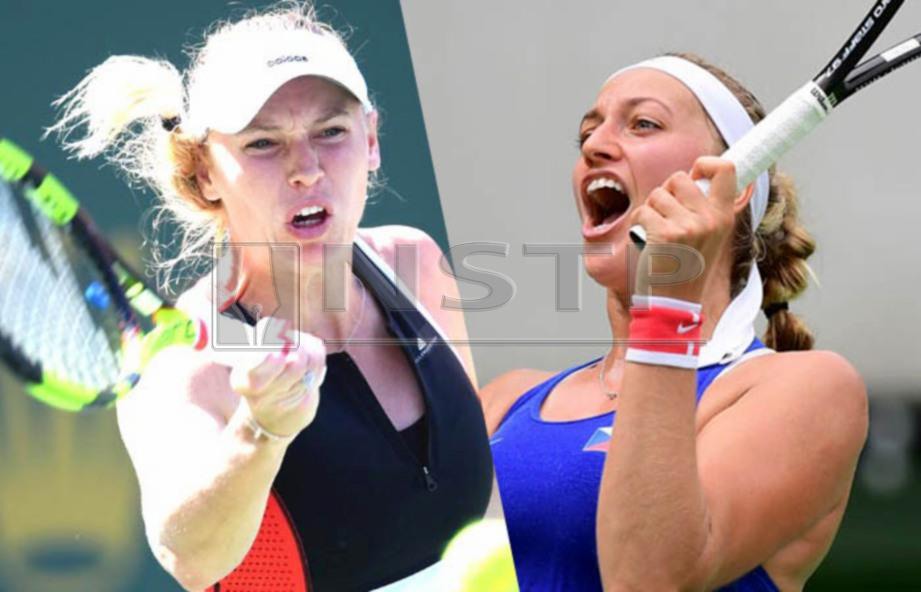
(503, 85)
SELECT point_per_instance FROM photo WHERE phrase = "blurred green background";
(69, 517)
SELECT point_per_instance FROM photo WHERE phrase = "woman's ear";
(203, 177)
(741, 202)
(374, 149)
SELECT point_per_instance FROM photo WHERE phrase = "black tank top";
(364, 507)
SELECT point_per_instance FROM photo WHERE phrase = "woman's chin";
(610, 271)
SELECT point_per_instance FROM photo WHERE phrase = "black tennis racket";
(76, 323)
(802, 111)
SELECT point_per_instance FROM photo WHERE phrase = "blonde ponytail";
(133, 111)
(781, 248)
(118, 111)
(115, 94)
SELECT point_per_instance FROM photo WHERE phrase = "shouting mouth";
(606, 201)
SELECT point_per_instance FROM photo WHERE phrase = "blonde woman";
(667, 465)
(256, 473)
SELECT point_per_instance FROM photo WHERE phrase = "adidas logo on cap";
(285, 59)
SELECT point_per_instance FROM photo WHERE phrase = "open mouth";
(309, 216)
(606, 201)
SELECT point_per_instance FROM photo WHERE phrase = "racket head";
(831, 79)
(66, 326)
(872, 69)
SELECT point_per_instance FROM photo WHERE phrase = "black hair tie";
(169, 123)
(772, 309)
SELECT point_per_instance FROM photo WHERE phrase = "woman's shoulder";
(813, 383)
(385, 240)
(415, 258)
(502, 392)
(813, 368)
(827, 379)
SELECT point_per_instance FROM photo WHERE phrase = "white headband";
(736, 327)
(727, 113)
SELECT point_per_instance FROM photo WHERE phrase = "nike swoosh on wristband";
(682, 328)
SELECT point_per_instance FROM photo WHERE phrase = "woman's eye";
(332, 132)
(583, 137)
(646, 124)
(261, 144)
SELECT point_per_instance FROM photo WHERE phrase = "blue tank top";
(549, 476)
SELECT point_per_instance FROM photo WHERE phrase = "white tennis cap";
(242, 69)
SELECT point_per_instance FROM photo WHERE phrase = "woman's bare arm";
(689, 508)
(682, 510)
(203, 474)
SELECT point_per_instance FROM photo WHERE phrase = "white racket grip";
(774, 135)
(765, 143)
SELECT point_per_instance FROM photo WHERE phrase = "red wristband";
(664, 332)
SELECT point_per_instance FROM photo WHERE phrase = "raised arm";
(692, 500)
(204, 471)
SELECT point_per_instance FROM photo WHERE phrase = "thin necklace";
(361, 316)
(611, 395)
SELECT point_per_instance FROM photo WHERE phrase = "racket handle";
(638, 236)
(638, 233)
(765, 143)
(174, 329)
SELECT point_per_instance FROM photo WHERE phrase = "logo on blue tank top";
(599, 440)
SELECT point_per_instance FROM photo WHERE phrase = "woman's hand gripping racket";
(76, 323)
(802, 111)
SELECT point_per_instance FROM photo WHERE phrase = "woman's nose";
(305, 168)
(602, 145)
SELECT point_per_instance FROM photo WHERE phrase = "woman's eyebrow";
(259, 126)
(591, 116)
(594, 115)
(634, 101)
(332, 113)
(268, 126)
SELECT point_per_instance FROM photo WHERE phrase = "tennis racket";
(77, 324)
(806, 108)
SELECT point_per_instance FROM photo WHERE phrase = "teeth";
(310, 211)
(604, 183)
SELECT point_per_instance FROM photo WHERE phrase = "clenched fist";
(279, 390)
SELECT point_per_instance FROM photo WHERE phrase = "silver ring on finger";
(313, 379)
